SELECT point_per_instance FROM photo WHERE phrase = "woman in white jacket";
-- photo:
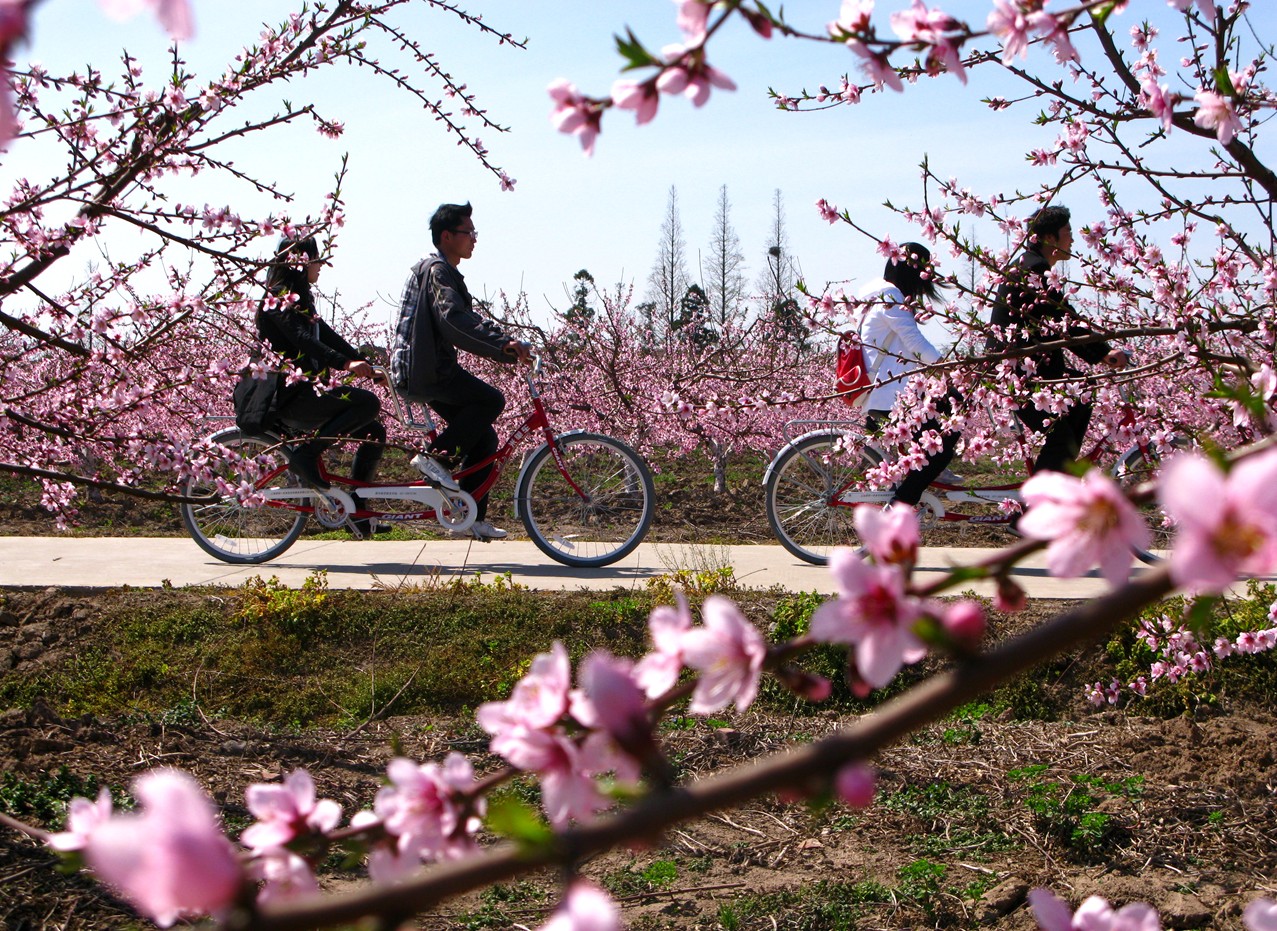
(895, 346)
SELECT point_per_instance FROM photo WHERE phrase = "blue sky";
(604, 214)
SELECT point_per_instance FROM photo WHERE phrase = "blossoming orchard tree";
(718, 389)
(109, 357)
(1159, 133)
(1186, 280)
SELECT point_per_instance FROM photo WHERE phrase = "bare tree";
(724, 273)
(669, 278)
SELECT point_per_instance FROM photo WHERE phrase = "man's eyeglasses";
(473, 234)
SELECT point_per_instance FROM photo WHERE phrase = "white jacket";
(893, 344)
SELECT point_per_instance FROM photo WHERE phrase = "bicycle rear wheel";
(813, 487)
(1141, 464)
(227, 529)
(590, 509)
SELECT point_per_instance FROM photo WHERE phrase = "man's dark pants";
(469, 407)
(1064, 435)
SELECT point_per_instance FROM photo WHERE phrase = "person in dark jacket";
(288, 321)
(1029, 311)
(436, 318)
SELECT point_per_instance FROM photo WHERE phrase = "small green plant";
(272, 600)
(728, 918)
(627, 882)
(661, 873)
(693, 582)
(792, 616)
(502, 582)
(938, 801)
(1068, 809)
(44, 800)
(920, 880)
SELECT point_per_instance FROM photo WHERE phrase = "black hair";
(286, 273)
(1049, 221)
(913, 275)
(446, 218)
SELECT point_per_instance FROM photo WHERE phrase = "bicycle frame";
(940, 493)
(418, 419)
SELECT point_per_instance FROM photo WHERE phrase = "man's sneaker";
(484, 531)
(303, 462)
(950, 478)
(363, 528)
(434, 470)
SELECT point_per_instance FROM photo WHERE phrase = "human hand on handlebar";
(520, 349)
(363, 369)
(1117, 359)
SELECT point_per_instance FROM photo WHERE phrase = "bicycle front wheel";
(813, 487)
(591, 507)
(1138, 465)
(227, 529)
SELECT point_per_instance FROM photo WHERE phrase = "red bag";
(852, 381)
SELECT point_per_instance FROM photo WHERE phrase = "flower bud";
(855, 784)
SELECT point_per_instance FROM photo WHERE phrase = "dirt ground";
(969, 814)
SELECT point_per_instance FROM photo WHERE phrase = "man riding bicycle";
(436, 317)
(1028, 312)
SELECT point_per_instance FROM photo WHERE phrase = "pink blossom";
(1088, 521)
(83, 818)
(639, 96)
(538, 700)
(1009, 597)
(609, 684)
(170, 860)
(174, 15)
(568, 790)
(1094, 914)
(287, 811)
(933, 28)
(855, 784)
(1158, 100)
(284, 876)
(1056, 33)
(574, 113)
(853, 18)
(13, 23)
(1207, 7)
(1216, 112)
(728, 652)
(1260, 915)
(1009, 24)
(659, 670)
(889, 250)
(828, 212)
(694, 81)
(891, 534)
(428, 807)
(585, 907)
(693, 19)
(1227, 524)
(873, 614)
(876, 66)
(965, 622)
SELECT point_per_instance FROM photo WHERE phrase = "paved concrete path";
(148, 562)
